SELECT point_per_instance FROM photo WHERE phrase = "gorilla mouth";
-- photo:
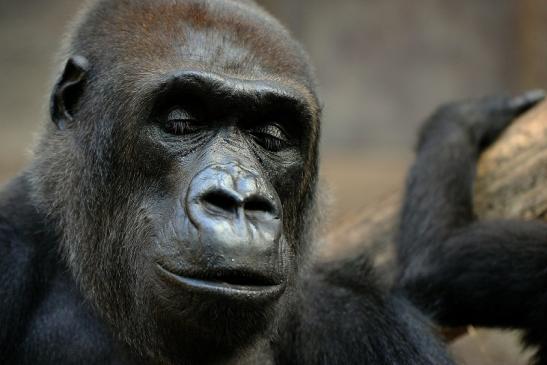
(235, 284)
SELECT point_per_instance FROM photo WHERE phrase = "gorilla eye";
(180, 122)
(272, 137)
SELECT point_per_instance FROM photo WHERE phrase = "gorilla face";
(187, 134)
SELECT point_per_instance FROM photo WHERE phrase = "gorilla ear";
(67, 91)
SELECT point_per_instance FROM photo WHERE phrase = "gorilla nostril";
(259, 204)
(220, 200)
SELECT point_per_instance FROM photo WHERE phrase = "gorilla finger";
(526, 101)
(500, 111)
(497, 114)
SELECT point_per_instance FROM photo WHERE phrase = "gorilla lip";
(231, 283)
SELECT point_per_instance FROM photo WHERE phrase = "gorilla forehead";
(225, 36)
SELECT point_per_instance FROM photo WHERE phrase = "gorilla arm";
(461, 270)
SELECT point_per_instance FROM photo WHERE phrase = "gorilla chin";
(238, 282)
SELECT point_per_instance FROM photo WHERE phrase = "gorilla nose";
(236, 212)
(226, 202)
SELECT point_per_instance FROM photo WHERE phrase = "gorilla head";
(180, 170)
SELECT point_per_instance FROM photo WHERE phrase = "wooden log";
(510, 183)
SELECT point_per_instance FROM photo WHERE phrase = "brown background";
(383, 65)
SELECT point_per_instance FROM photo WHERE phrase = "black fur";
(344, 315)
(83, 228)
(460, 270)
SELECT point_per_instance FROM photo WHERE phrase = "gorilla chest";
(65, 330)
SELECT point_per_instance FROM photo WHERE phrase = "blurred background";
(383, 66)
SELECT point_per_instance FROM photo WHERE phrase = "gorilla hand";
(482, 120)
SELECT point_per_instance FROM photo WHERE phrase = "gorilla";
(166, 216)
(460, 270)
